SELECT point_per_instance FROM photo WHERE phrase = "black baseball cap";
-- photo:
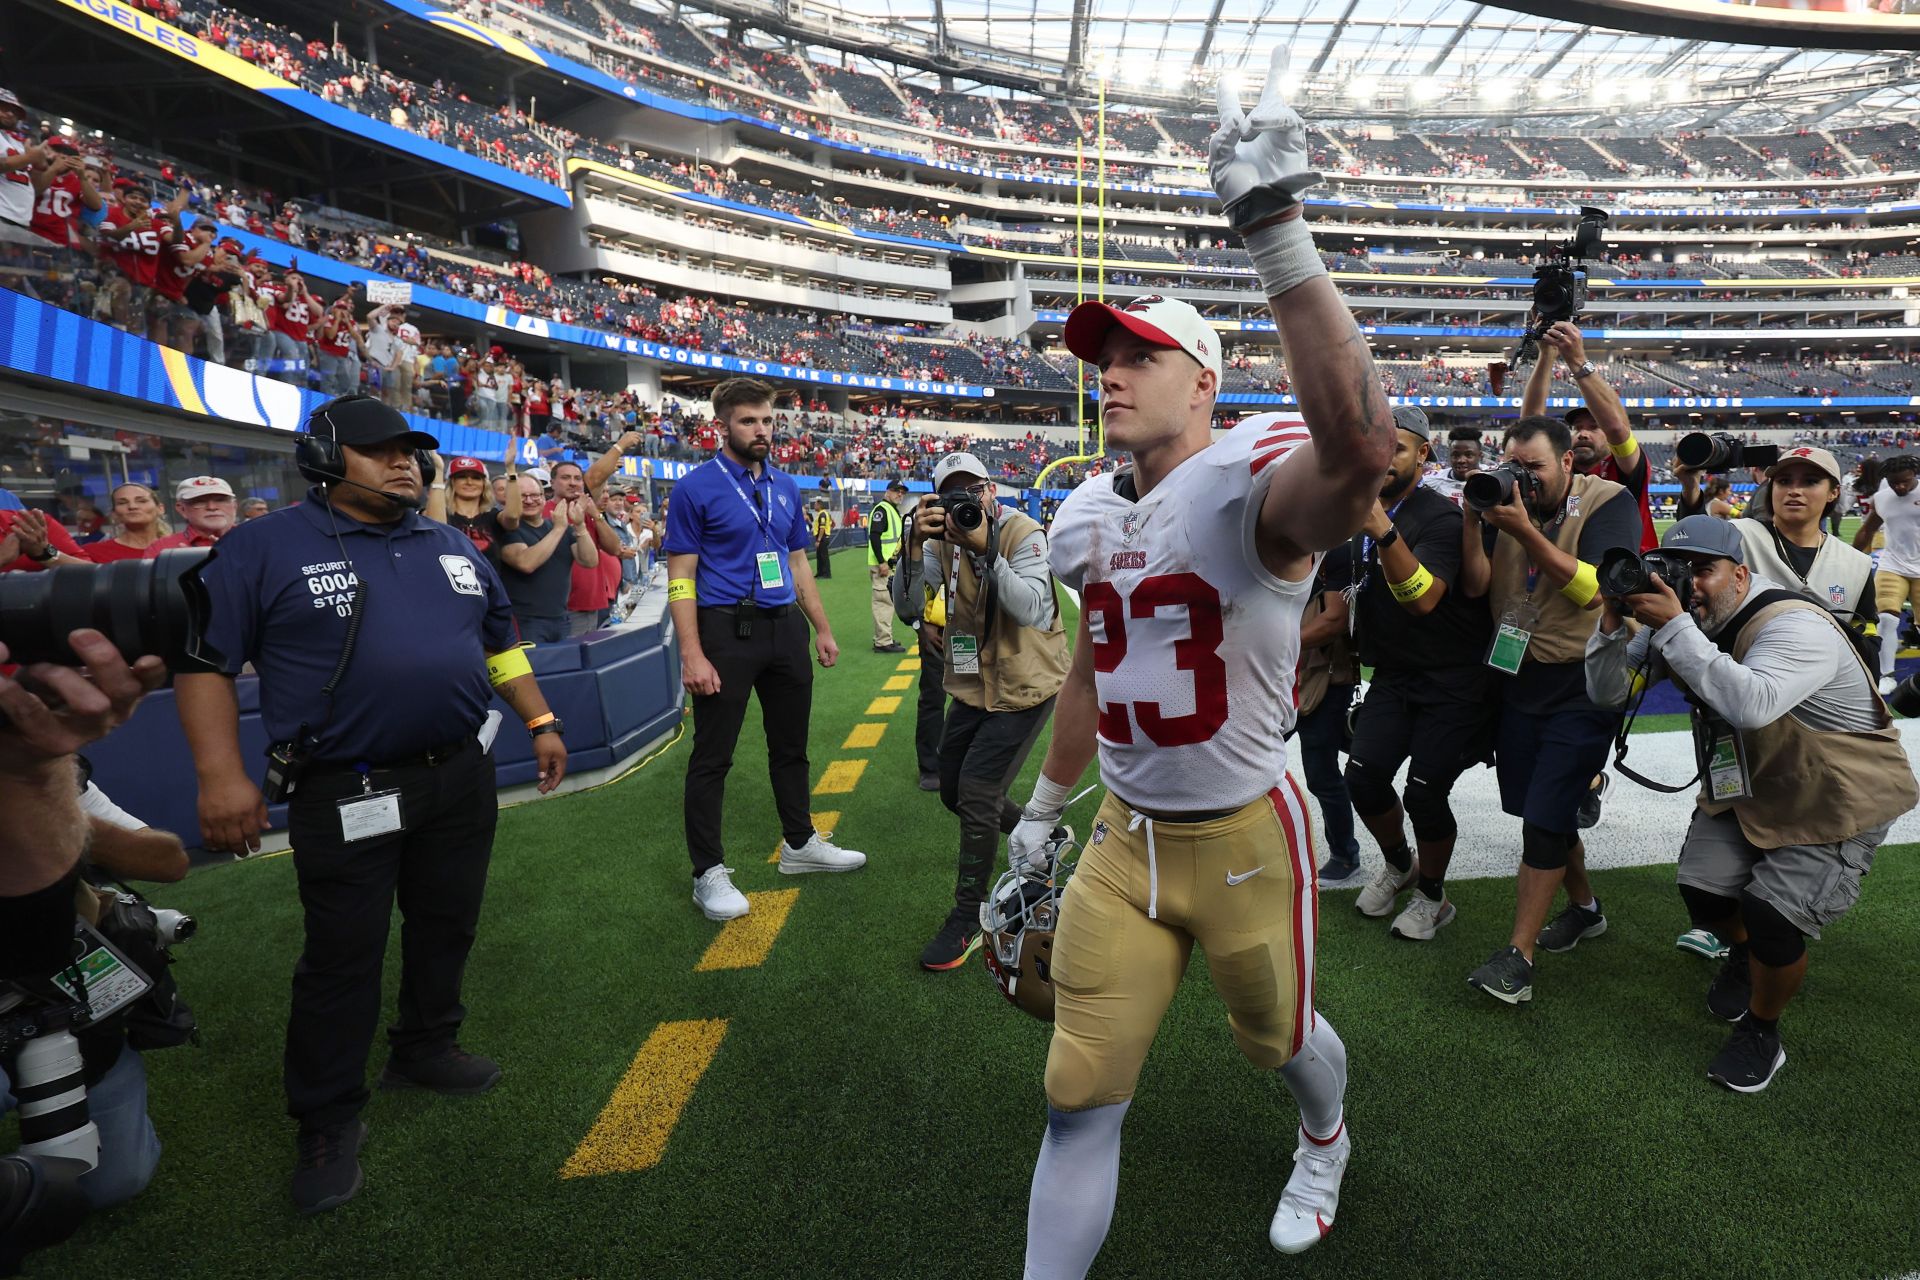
(361, 420)
(1581, 411)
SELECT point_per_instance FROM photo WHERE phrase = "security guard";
(822, 535)
(736, 548)
(380, 638)
(885, 531)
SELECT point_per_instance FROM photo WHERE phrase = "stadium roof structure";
(1450, 64)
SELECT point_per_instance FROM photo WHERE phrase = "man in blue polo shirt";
(380, 638)
(736, 547)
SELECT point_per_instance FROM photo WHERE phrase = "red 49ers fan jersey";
(1194, 642)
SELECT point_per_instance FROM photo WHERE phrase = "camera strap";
(1639, 676)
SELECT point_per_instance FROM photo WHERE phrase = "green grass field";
(861, 1118)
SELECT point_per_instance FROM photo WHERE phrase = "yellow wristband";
(1584, 587)
(1413, 588)
(511, 665)
(1625, 447)
(680, 589)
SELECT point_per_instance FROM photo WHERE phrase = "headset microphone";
(398, 499)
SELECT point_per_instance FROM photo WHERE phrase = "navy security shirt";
(722, 514)
(432, 610)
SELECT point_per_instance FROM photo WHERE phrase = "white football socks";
(1889, 642)
(1317, 1078)
(1074, 1184)
(1283, 256)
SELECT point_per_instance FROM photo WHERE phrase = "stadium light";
(1638, 90)
(1363, 89)
(1605, 91)
(1679, 89)
(1498, 91)
(1429, 90)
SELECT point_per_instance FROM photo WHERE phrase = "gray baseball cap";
(1705, 536)
(1409, 417)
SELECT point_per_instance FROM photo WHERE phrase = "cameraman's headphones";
(318, 457)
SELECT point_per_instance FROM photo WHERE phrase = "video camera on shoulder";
(1624, 572)
(1559, 287)
(1495, 486)
(156, 606)
(1722, 451)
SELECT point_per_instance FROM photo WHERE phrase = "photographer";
(1792, 550)
(1802, 772)
(1006, 659)
(1603, 443)
(1532, 551)
(1895, 507)
(1428, 702)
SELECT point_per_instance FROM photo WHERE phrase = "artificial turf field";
(862, 1118)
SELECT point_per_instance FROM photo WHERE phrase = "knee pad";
(1708, 911)
(1079, 1080)
(1772, 939)
(1370, 789)
(1544, 850)
(1428, 810)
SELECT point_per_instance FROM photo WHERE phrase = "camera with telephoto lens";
(1905, 697)
(156, 606)
(1719, 451)
(1559, 287)
(964, 511)
(1491, 488)
(1624, 572)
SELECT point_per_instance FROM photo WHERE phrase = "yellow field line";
(913, 651)
(632, 1131)
(909, 665)
(841, 777)
(896, 683)
(746, 940)
(824, 820)
(883, 706)
(864, 735)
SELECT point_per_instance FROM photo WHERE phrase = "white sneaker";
(1423, 918)
(1306, 1209)
(1377, 898)
(818, 854)
(716, 897)
(1887, 685)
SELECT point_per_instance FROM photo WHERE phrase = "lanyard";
(766, 534)
(1548, 530)
(1366, 543)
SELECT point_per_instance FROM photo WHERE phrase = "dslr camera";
(1491, 488)
(1559, 287)
(964, 511)
(1719, 451)
(156, 606)
(1630, 573)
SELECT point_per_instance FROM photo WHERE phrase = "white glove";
(1259, 161)
(1028, 850)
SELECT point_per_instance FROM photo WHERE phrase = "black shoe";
(929, 782)
(1565, 930)
(1337, 871)
(453, 1072)
(958, 938)
(1588, 814)
(328, 1172)
(1732, 987)
(1506, 977)
(1749, 1060)
(895, 647)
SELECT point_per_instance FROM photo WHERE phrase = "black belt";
(1186, 816)
(431, 758)
(749, 610)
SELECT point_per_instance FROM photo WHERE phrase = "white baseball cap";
(544, 476)
(1165, 321)
(958, 464)
(201, 487)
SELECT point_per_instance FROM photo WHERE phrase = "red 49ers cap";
(1167, 322)
(467, 467)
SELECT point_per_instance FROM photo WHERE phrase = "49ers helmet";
(1017, 923)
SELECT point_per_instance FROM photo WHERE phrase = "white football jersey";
(1443, 483)
(1194, 642)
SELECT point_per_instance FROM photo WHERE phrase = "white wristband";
(1283, 256)
(1049, 799)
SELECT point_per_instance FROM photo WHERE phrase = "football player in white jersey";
(1194, 566)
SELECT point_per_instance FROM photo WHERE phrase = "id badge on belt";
(1509, 647)
(966, 654)
(372, 813)
(768, 564)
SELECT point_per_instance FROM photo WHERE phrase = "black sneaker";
(1732, 987)
(1588, 814)
(1565, 930)
(1337, 871)
(1508, 976)
(929, 782)
(454, 1072)
(1749, 1060)
(895, 647)
(327, 1174)
(959, 937)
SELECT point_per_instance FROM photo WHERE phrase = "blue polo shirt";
(723, 514)
(433, 609)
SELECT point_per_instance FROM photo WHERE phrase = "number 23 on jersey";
(1156, 606)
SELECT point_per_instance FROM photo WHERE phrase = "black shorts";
(1439, 719)
(1548, 761)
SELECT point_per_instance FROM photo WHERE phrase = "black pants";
(821, 567)
(438, 868)
(773, 662)
(1322, 733)
(980, 754)
(932, 720)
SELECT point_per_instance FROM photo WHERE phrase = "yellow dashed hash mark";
(841, 777)
(883, 706)
(864, 735)
(632, 1131)
(823, 822)
(908, 666)
(745, 941)
(896, 683)
(913, 651)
